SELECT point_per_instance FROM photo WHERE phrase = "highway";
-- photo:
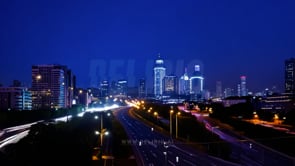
(14, 134)
(153, 148)
(245, 150)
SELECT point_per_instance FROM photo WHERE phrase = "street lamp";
(156, 115)
(176, 124)
(171, 112)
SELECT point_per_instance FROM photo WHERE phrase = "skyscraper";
(159, 74)
(218, 89)
(122, 87)
(142, 88)
(243, 86)
(290, 75)
(170, 84)
(52, 87)
(196, 83)
(15, 98)
(104, 88)
(184, 84)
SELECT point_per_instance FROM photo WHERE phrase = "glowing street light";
(156, 115)
(176, 124)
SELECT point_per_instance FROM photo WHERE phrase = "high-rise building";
(104, 88)
(122, 87)
(184, 84)
(170, 84)
(219, 89)
(228, 92)
(239, 90)
(15, 98)
(159, 74)
(243, 86)
(52, 87)
(290, 75)
(142, 88)
(196, 83)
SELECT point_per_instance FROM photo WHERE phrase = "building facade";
(184, 84)
(52, 87)
(170, 85)
(290, 75)
(15, 98)
(142, 88)
(196, 84)
(159, 74)
(243, 86)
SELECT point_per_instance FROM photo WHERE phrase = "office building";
(15, 98)
(219, 89)
(228, 92)
(184, 84)
(196, 83)
(290, 75)
(243, 91)
(104, 88)
(159, 74)
(142, 88)
(52, 87)
(170, 85)
(122, 87)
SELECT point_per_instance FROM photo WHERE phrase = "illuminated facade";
(159, 74)
(52, 87)
(184, 84)
(170, 84)
(290, 76)
(243, 91)
(122, 87)
(196, 83)
(104, 88)
(15, 98)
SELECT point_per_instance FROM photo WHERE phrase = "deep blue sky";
(227, 38)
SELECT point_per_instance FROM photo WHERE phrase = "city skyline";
(227, 39)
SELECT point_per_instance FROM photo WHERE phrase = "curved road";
(155, 149)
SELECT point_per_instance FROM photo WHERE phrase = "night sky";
(120, 39)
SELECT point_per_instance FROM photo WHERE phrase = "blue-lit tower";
(243, 86)
(184, 84)
(196, 83)
(159, 74)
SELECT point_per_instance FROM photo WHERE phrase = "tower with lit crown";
(159, 74)
(243, 86)
(196, 83)
(184, 84)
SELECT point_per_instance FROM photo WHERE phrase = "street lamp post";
(171, 112)
(176, 124)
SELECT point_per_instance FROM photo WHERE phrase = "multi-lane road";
(154, 148)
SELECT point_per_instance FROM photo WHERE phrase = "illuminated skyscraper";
(170, 85)
(290, 75)
(196, 83)
(159, 74)
(122, 87)
(243, 86)
(104, 88)
(52, 87)
(184, 84)
(15, 98)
